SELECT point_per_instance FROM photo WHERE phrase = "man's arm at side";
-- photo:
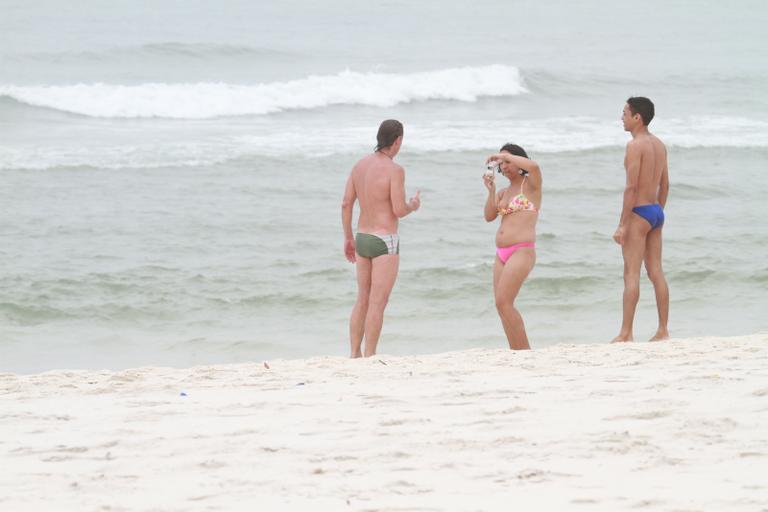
(633, 174)
(664, 185)
(400, 207)
(347, 206)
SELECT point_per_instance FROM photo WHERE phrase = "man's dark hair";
(514, 149)
(642, 106)
(389, 131)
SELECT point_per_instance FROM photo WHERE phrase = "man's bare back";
(372, 179)
(653, 162)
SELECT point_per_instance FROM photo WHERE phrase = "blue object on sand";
(183, 393)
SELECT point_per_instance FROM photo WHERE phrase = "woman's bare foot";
(661, 335)
(622, 338)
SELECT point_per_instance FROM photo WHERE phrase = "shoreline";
(673, 425)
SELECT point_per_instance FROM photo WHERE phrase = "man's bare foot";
(622, 339)
(660, 335)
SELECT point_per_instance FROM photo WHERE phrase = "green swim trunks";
(370, 246)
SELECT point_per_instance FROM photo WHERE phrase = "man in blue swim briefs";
(378, 184)
(642, 215)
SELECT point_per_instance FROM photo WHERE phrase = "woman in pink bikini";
(518, 206)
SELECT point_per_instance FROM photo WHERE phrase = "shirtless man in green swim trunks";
(378, 183)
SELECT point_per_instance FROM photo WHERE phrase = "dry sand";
(674, 426)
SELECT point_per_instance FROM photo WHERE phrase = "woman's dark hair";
(389, 131)
(514, 149)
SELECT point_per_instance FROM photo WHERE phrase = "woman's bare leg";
(498, 268)
(512, 276)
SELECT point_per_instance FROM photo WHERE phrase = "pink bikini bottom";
(505, 252)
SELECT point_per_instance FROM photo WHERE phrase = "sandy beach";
(676, 426)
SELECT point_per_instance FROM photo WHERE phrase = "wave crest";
(207, 100)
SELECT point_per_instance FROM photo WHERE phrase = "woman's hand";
(489, 182)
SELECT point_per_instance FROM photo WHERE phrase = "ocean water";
(171, 173)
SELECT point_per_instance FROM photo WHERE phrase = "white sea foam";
(551, 135)
(206, 100)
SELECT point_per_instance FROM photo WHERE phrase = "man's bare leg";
(383, 276)
(655, 271)
(514, 272)
(357, 319)
(633, 251)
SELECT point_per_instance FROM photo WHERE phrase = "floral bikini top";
(519, 203)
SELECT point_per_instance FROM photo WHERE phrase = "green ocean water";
(171, 196)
